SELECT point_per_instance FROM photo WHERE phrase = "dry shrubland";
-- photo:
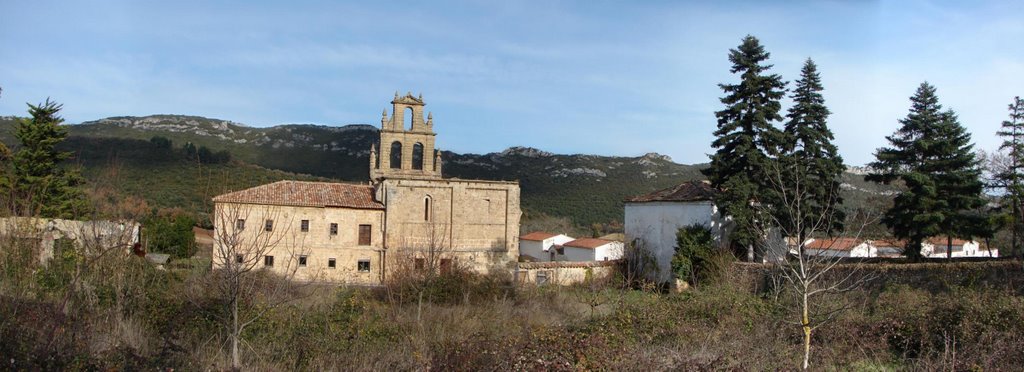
(126, 314)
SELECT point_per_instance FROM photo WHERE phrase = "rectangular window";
(269, 225)
(364, 234)
(334, 229)
(446, 265)
(305, 225)
(240, 224)
(420, 264)
(331, 263)
(364, 266)
(239, 258)
(302, 261)
(268, 261)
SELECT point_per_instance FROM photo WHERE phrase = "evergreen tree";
(811, 163)
(1011, 178)
(746, 139)
(39, 185)
(932, 156)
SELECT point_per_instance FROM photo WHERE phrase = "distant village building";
(653, 219)
(592, 249)
(840, 247)
(934, 247)
(539, 246)
(358, 233)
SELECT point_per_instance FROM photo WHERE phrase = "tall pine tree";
(932, 155)
(40, 185)
(811, 163)
(1012, 178)
(746, 139)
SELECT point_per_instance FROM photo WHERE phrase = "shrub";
(696, 259)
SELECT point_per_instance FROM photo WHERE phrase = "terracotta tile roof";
(588, 243)
(537, 236)
(941, 240)
(836, 244)
(889, 243)
(305, 194)
(687, 191)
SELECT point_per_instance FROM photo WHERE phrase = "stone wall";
(563, 273)
(476, 222)
(287, 242)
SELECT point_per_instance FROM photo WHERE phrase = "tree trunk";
(750, 253)
(807, 333)
(235, 362)
(949, 246)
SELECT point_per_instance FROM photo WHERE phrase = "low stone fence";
(563, 273)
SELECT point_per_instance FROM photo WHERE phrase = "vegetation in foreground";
(122, 313)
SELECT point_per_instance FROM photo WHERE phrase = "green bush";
(696, 260)
(171, 234)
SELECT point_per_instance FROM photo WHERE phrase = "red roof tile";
(687, 191)
(537, 236)
(305, 194)
(588, 243)
(941, 241)
(837, 244)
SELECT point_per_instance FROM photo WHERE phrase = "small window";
(302, 261)
(239, 258)
(364, 234)
(305, 225)
(420, 264)
(268, 261)
(364, 266)
(426, 209)
(446, 265)
(542, 277)
(240, 224)
(269, 225)
(331, 263)
(334, 229)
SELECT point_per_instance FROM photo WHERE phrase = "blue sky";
(597, 77)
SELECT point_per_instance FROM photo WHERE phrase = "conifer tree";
(932, 156)
(40, 186)
(811, 165)
(1012, 178)
(746, 139)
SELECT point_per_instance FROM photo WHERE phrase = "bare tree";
(246, 270)
(807, 276)
(423, 255)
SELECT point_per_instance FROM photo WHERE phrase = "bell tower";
(406, 147)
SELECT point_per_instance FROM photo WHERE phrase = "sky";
(600, 77)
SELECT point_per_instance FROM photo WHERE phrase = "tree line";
(930, 158)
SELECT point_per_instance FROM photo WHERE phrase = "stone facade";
(411, 211)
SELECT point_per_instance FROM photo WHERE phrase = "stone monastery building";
(407, 217)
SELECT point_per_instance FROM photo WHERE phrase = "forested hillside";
(585, 188)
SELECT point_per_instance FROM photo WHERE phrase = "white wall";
(533, 249)
(612, 251)
(541, 250)
(653, 227)
(576, 254)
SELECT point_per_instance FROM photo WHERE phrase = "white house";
(653, 219)
(935, 247)
(536, 246)
(591, 249)
(840, 247)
